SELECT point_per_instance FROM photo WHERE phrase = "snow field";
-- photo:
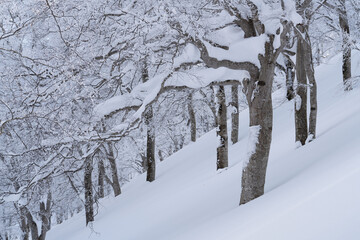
(312, 192)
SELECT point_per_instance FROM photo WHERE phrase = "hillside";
(312, 192)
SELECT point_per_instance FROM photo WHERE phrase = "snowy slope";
(312, 192)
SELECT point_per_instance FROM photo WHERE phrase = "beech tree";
(305, 77)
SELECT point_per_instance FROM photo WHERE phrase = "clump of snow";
(298, 144)
(309, 138)
(245, 50)
(190, 54)
(291, 13)
(253, 140)
(12, 197)
(227, 35)
(298, 101)
(115, 103)
(195, 78)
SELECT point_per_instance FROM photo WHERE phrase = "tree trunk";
(101, 177)
(22, 211)
(114, 173)
(222, 150)
(89, 208)
(301, 130)
(115, 184)
(261, 121)
(192, 119)
(45, 214)
(313, 88)
(234, 114)
(32, 225)
(150, 132)
(304, 72)
(150, 145)
(24, 226)
(212, 105)
(345, 31)
(290, 75)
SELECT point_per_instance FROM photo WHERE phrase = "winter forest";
(164, 119)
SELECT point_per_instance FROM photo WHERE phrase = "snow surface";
(312, 192)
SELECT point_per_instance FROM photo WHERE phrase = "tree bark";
(192, 119)
(23, 225)
(150, 145)
(32, 224)
(345, 32)
(89, 202)
(22, 211)
(301, 129)
(305, 74)
(115, 184)
(310, 73)
(261, 118)
(45, 214)
(234, 114)
(290, 75)
(101, 178)
(222, 150)
(150, 132)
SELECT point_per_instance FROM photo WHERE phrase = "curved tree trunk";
(222, 150)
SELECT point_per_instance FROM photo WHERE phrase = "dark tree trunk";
(150, 145)
(89, 208)
(309, 65)
(192, 119)
(222, 150)
(261, 121)
(45, 214)
(114, 173)
(150, 133)
(345, 30)
(24, 226)
(212, 105)
(234, 114)
(290, 75)
(301, 129)
(22, 210)
(101, 178)
(114, 182)
(304, 73)
(32, 225)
